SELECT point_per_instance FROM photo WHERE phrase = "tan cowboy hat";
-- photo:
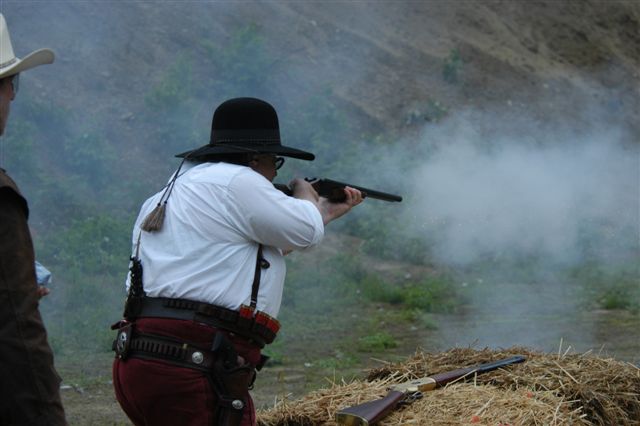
(9, 63)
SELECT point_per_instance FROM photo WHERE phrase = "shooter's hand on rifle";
(330, 210)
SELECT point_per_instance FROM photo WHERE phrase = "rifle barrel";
(370, 193)
(334, 190)
(444, 378)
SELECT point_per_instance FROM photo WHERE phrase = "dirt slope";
(381, 58)
(509, 49)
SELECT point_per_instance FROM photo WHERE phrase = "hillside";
(380, 59)
(139, 80)
(511, 128)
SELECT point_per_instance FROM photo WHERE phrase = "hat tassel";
(154, 220)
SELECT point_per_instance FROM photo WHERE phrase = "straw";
(547, 389)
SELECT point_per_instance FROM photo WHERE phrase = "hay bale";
(550, 389)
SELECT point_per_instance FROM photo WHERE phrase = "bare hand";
(331, 211)
(42, 291)
(304, 190)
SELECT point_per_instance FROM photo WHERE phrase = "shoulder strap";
(261, 263)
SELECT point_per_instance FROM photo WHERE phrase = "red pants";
(157, 393)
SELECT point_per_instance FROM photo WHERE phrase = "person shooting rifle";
(208, 270)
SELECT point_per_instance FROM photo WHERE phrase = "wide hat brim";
(265, 147)
(245, 126)
(33, 59)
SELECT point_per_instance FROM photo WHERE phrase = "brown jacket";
(29, 384)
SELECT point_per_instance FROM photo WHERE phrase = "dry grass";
(548, 389)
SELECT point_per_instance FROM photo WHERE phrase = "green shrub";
(276, 353)
(377, 290)
(616, 297)
(433, 294)
(21, 161)
(376, 342)
(174, 86)
(436, 294)
(609, 286)
(95, 245)
(242, 62)
(340, 361)
(91, 158)
(451, 67)
(418, 317)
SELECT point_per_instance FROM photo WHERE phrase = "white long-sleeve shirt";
(215, 218)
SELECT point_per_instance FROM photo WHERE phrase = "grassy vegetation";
(350, 310)
(451, 67)
(431, 294)
(376, 342)
(609, 287)
(242, 65)
(175, 86)
(88, 293)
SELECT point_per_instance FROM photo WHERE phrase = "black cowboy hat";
(245, 125)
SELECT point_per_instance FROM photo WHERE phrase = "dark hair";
(241, 159)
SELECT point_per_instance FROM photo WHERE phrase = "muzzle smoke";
(564, 195)
(531, 204)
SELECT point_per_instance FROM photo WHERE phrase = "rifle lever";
(410, 398)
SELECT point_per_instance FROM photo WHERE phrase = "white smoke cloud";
(556, 195)
(561, 194)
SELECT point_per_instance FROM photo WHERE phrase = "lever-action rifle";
(372, 412)
(334, 190)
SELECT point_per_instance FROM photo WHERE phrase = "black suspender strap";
(261, 263)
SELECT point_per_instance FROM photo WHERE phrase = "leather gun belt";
(261, 328)
(149, 346)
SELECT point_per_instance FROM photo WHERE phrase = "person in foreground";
(207, 273)
(30, 386)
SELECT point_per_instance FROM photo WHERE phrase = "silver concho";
(197, 357)
(237, 404)
(122, 341)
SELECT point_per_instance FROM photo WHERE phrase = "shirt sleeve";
(266, 215)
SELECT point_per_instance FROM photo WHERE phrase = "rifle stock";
(369, 412)
(334, 190)
(372, 412)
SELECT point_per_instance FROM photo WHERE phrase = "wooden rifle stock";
(334, 190)
(372, 412)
